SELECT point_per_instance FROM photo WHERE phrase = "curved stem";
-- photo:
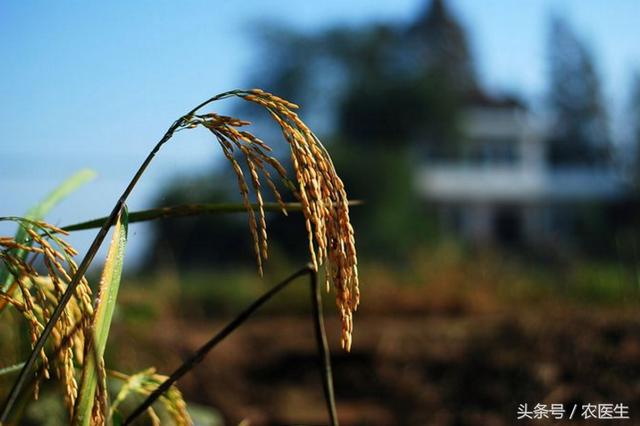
(82, 269)
(321, 343)
(199, 355)
(91, 252)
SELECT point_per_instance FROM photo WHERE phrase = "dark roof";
(481, 98)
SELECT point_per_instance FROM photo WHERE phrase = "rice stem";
(201, 353)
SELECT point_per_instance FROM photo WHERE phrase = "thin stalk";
(185, 210)
(82, 269)
(39, 375)
(323, 348)
(202, 352)
(88, 258)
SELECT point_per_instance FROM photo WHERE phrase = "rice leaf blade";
(107, 297)
(186, 210)
(39, 211)
(11, 369)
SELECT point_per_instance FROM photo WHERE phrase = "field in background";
(452, 338)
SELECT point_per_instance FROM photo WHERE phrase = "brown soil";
(413, 370)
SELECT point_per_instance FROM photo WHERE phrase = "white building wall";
(480, 189)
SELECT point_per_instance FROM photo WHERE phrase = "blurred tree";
(383, 97)
(440, 43)
(378, 84)
(634, 109)
(393, 92)
(580, 132)
(628, 231)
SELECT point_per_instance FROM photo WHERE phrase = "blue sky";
(96, 84)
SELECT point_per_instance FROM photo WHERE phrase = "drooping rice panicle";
(325, 205)
(318, 188)
(38, 296)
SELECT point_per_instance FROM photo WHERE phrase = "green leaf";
(107, 296)
(11, 369)
(40, 210)
(185, 210)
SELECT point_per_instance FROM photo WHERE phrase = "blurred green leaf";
(39, 211)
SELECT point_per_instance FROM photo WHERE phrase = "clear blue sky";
(94, 84)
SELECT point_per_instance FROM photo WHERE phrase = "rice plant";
(68, 326)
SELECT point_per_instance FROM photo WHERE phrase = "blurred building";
(501, 188)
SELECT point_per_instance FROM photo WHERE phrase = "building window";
(507, 226)
(490, 152)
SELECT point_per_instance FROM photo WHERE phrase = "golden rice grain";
(145, 382)
(38, 297)
(319, 189)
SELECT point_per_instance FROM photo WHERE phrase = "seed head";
(318, 188)
(35, 296)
